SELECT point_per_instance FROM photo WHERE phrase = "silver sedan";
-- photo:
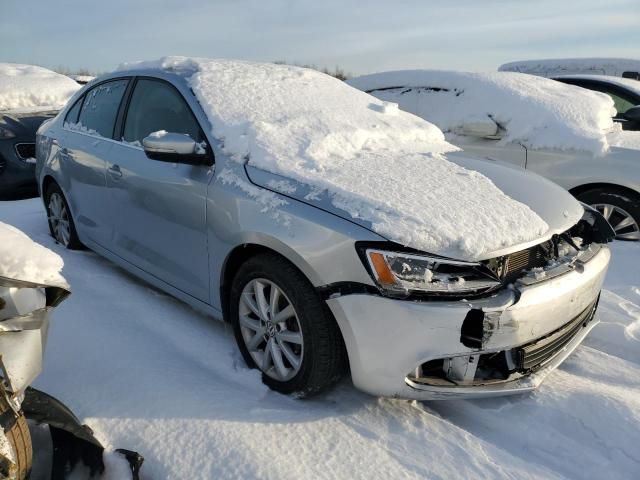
(130, 170)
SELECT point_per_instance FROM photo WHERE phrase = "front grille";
(536, 256)
(26, 150)
(533, 356)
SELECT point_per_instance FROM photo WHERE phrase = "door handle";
(114, 171)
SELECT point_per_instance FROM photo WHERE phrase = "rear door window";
(156, 105)
(100, 108)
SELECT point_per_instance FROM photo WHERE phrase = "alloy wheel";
(622, 222)
(271, 329)
(59, 219)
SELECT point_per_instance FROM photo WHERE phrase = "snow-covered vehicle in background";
(29, 95)
(328, 227)
(559, 131)
(552, 67)
(30, 288)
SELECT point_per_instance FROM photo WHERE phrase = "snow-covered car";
(328, 227)
(29, 95)
(559, 131)
(617, 67)
(625, 93)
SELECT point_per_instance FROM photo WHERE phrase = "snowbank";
(379, 164)
(561, 66)
(23, 259)
(535, 111)
(26, 86)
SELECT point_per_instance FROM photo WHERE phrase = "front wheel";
(283, 328)
(621, 209)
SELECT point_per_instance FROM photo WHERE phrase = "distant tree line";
(337, 72)
(64, 70)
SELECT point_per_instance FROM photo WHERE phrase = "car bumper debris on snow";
(25, 308)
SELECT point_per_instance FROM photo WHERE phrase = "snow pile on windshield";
(377, 163)
(535, 111)
(562, 66)
(28, 86)
(23, 259)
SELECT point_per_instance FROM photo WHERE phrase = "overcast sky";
(361, 37)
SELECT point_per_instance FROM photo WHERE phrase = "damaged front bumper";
(503, 344)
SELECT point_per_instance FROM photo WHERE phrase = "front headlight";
(6, 133)
(401, 274)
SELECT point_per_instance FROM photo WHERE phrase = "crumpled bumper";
(25, 308)
(388, 340)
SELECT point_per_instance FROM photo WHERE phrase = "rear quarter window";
(100, 107)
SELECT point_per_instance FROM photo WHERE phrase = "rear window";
(100, 107)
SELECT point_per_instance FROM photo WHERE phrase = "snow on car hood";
(27, 86)
(553, 204)
(23, 259)
(380, 165)
(534, 111)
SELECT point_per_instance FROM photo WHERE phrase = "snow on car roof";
(558, 66)
(535, 111)
(628, 83)
(378, 164)
(23, 259)
(28, 86)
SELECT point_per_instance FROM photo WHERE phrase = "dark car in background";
(18, 151)
(29, 95)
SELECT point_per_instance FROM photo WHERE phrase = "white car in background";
(559, 131)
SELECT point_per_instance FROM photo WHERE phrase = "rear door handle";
(114, 171)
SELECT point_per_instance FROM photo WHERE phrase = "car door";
(86, 142)
(489, 149)
(160, 207)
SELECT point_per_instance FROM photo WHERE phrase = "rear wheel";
(61, 223)
(19, 442)
(620, 208)
(283, 328)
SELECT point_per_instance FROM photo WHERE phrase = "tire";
(321, 353)
(619, 207)
(20, 440)
(69, 240)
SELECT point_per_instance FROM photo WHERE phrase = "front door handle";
(114, 171)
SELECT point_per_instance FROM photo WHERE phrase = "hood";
(557, 207)
(26, 122)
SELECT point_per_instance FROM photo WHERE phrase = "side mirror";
(481, 128)
(173, 148)
(633, 114)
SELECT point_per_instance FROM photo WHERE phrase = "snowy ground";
(148, 373)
